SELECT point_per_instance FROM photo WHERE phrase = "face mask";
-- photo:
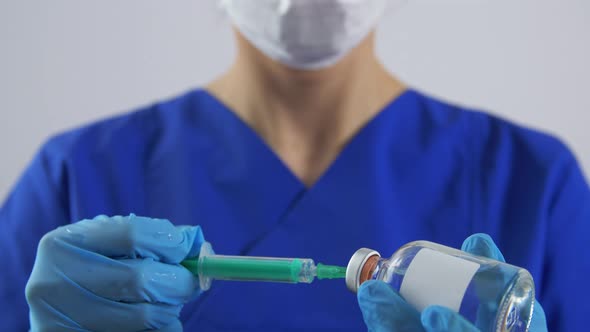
(305, 34)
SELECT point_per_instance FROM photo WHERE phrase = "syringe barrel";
(291, 270)
(209, 266)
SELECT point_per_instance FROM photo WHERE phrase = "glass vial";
(494, 296)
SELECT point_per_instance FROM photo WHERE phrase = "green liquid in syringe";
(270, 269)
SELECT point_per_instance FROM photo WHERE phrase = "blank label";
(434, 278)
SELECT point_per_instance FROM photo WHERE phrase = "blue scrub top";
(421, 169)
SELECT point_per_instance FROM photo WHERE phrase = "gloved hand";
(384, 310)
(112, 274)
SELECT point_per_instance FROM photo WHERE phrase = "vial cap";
(355, 266)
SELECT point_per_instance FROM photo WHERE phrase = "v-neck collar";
(263, 190)
(260, 145)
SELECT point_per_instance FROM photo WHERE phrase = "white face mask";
(305, 34)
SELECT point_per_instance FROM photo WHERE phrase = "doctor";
(305, 147)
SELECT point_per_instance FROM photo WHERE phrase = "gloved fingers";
(66, 305)
(196, 233)
(133, 317)
(482, 245)
(175, 326)
(129, 237)
(384, 310)
(538, 321)
(442, 319)
(135, 280)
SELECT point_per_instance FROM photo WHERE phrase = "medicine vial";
(493, 295)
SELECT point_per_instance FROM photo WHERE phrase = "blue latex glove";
(384, 310)
(112, 274)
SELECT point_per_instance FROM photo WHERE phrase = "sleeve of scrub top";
(537, 202)
(36, 205)
(565, 285)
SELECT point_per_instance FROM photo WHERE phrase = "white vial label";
(434, 278)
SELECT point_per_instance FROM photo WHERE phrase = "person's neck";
(306, 117)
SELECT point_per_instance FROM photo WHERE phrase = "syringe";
(209, 266)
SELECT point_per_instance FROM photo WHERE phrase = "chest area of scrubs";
(379, 193)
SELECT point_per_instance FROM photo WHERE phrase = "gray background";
(64, 63)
